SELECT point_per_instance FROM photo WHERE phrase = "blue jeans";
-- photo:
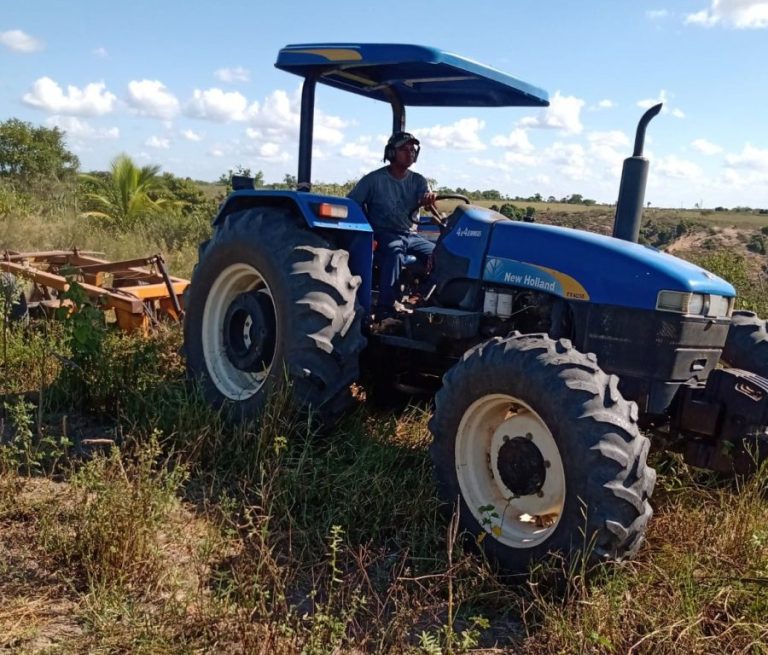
(392, 249)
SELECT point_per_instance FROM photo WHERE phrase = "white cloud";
(161, 143)
(461, 135)
(606, 104)
(229, 75)
(750, 158)
(673, 166)
(741, 179)
(520, 159)
(741, 14)
(191, 135)
(328, 129)
(217, 105)
(269, 150)
(278, 117)
(93, 100)
(19, 41)
(656, 14)
(610, 139)
(216, 151)
(516, 140)
(78, 129)
(101, 52)
(609, 148)
(486, 163)
(151, 98)
(663, 98)
(569, 159)
(563, 114)
(705, 147)
(361, 150)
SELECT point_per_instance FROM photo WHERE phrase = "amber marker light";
(328, 210)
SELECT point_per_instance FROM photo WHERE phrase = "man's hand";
(428, 199)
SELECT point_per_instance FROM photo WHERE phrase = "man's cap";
(402, 138)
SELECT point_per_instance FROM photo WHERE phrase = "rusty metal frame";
(140, 292)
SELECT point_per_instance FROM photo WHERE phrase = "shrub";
(733, 267)
(511, 211)
(756, 244)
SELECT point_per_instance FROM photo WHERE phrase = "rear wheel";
(542, 452)
(268, 299)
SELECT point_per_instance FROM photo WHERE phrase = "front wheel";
(269, 300)
(542, 452)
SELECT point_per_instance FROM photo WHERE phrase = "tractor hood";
(575, 264)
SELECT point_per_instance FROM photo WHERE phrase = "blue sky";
(191, 86)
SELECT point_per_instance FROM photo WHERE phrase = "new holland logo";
(466, 232)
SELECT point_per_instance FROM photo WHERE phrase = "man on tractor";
(390, 197)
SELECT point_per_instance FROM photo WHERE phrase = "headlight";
(720, 306)
(694, 303)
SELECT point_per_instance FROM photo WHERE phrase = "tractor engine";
(506, 309)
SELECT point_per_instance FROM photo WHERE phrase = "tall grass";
(134, 518)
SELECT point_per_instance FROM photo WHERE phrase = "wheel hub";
(249, 331)
(521, 466)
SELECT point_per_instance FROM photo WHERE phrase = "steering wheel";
(438, 218)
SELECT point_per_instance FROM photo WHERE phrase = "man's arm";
(425, 194)
(359, 192)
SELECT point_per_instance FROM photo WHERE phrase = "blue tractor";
(548, 349)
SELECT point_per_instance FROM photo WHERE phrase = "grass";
(135, 519)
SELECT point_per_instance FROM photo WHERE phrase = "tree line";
(35, 160)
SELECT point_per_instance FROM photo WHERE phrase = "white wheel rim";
(232, 382)
(517, 521)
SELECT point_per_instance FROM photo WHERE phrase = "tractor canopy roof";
(410, 75)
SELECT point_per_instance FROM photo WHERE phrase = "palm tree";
(127, 195)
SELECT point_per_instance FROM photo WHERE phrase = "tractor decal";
(333, 54)
(520, 274)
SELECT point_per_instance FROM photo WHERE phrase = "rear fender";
(353, 233)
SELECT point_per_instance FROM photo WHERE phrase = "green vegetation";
(126, 196)
(750, 284)
(133, 518)
(30, 154)
(163, 529)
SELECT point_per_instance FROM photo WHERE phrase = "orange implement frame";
(140, 291)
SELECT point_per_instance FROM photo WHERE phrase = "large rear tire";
(270, 299)
(747, 344)
(542, 452)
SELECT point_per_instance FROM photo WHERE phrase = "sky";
(191, 86)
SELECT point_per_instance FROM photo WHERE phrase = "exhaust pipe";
(634, 176)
